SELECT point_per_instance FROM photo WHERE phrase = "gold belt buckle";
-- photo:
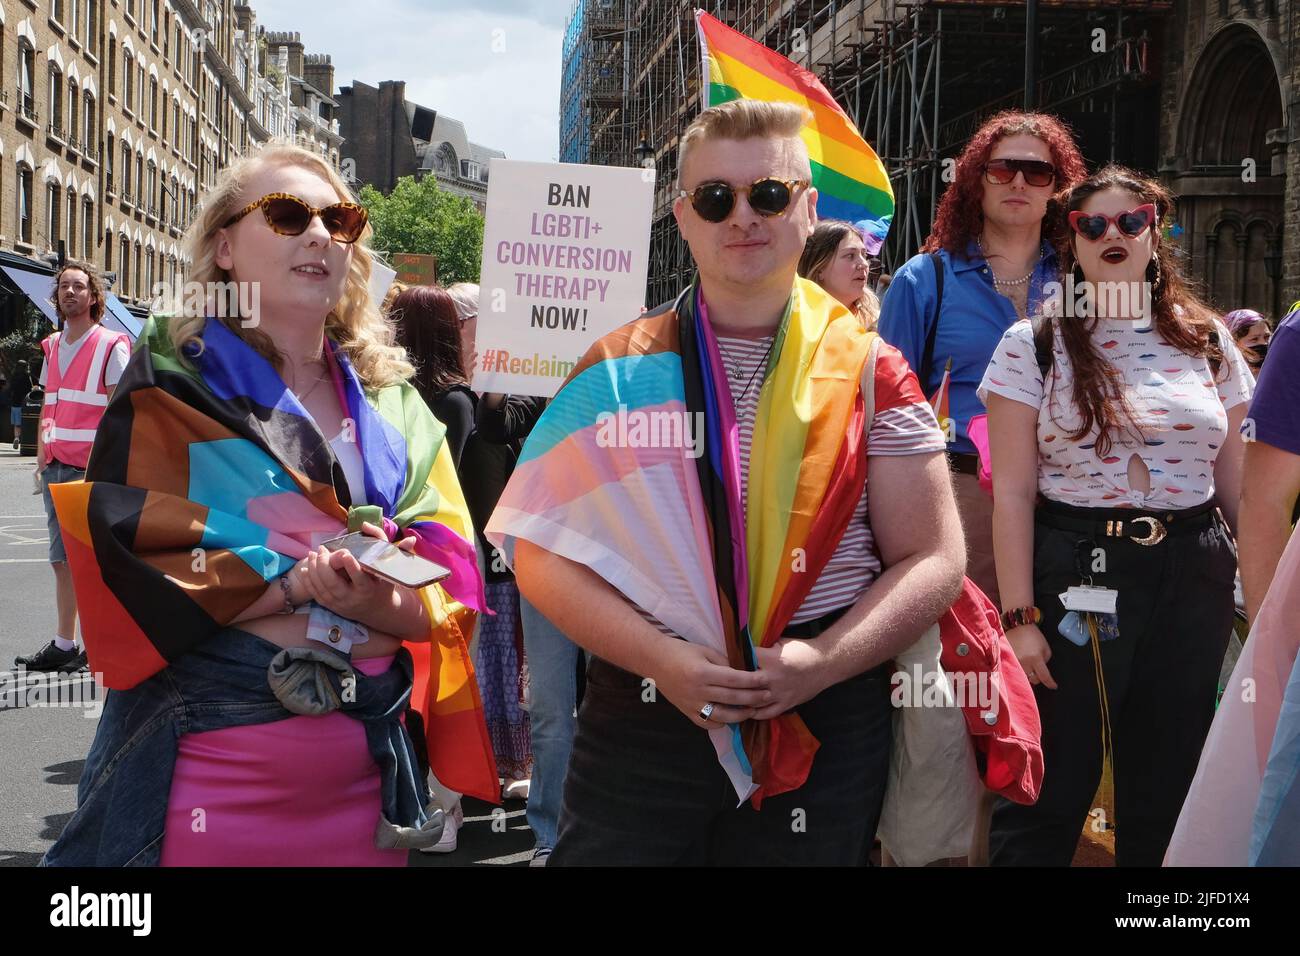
(1157, 534)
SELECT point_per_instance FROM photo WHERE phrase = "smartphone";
(388, 561)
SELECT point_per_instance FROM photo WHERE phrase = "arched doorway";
(1230, 189)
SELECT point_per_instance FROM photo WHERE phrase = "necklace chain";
(302, 399)
(1010, 283)
(734, 368)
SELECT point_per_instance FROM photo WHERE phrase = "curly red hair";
(960, 216)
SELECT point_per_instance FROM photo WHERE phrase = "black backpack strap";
(1043, 346)
(927, 357)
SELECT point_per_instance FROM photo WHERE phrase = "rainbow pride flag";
(669, 526)
(850, 180)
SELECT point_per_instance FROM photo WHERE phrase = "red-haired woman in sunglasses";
(262, 710)
(1113, 422)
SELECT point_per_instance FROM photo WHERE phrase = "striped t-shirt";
(904, 424)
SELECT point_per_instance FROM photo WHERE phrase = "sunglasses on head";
(289, 216)
(767, 197)
(1035, 171)
(1131, 223)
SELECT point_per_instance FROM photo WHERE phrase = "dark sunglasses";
(767, 197)
(289, 216)
(1003, 171)
(1131, 223)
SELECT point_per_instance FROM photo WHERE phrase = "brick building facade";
(117, 115)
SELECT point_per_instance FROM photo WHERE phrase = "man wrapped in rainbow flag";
(694, 509)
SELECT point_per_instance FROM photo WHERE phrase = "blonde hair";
(742, 119)
(355, 323)
(820, 251)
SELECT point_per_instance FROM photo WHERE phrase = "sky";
(492, 64)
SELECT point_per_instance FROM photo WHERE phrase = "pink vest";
(75, 402)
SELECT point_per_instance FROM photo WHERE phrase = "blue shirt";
(975, 316)
(1275, 412)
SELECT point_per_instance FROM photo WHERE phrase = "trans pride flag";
(206, 484)
(1243, 808)
(673, 533)
(850, 180)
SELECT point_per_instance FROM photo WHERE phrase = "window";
(26, 77)
(56, 10)
(92, 25)
(88, 122)
(152, 192)
(52, 216)
(176, 120)
(56, 99)
(153, 102)
(108, 253)
(112, 66)
(124, 265)
(148, 272)
(87, 229)
(74, 127)
(108, 163)
(75, 22)
(72, 223)
(166, 33)
(126, 170)
(128, 81)
(130, 9)
(153, 25)
(25, 204)
(139, 293)
(139, 83)
(139, 180)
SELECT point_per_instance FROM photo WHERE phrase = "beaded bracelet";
(1020, 616)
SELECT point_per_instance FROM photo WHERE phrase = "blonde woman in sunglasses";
(263, 680)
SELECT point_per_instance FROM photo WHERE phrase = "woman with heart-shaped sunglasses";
(1113, 424)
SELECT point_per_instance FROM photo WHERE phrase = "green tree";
(419, 217)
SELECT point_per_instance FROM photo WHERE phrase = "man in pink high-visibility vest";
(83, 363)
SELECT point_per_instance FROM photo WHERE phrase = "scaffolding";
(916, 77)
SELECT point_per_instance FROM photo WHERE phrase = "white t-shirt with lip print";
(1182, 410)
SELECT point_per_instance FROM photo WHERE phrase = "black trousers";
(644, 786)
(1175, 613)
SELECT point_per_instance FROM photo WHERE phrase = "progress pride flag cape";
(1243, 808)
(205, 484)
(668, 530)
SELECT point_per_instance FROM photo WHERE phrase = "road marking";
(24, 560)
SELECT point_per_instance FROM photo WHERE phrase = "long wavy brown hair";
(960, 216)
(428, 327)
(1179, 316)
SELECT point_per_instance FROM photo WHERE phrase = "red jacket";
(1007, 736)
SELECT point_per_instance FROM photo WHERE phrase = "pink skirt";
(297, 792)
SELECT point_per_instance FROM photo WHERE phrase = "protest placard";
(566, 248)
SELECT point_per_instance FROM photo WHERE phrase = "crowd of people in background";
(948, 438)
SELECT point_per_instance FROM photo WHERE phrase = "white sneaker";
(516, 789)
(447, 842)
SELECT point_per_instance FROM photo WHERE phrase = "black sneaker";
(50, 658)
(78, 663)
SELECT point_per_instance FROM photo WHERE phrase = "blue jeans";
(56, 472)
(553, 685)
(122, 798)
